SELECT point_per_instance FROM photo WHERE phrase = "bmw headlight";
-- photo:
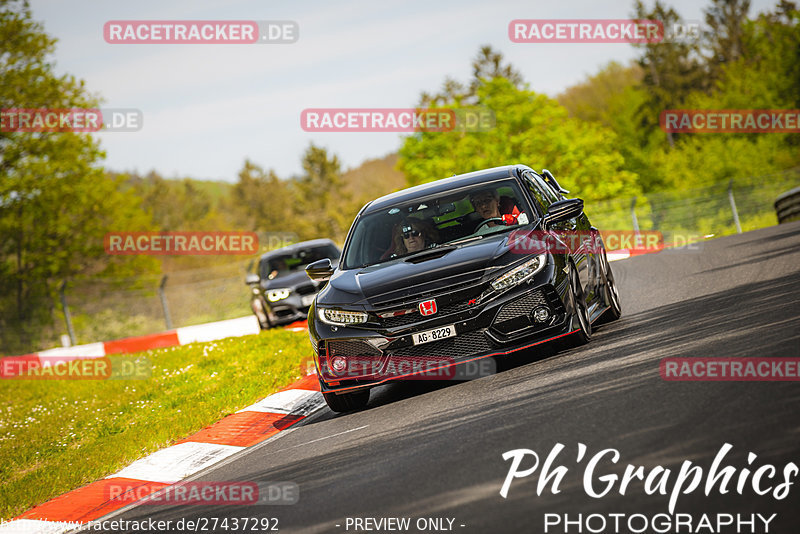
(341, 317)
(521, 273)
(274, 295)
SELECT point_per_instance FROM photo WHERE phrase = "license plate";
(307, 299)
(435, 334)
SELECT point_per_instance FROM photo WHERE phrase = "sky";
(206, 108)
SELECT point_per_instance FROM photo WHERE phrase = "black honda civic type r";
(449, 272)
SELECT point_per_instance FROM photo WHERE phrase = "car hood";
(390, 282)
(291, 280)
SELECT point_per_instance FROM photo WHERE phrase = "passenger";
(413, 235)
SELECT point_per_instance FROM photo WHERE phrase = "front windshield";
(280, 264)
(432, 221)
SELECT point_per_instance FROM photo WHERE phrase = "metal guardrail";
(787, 206)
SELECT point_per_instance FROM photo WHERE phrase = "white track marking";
(177, 462)
(243, 326)
(291, 401)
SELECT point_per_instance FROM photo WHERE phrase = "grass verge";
(58, 435)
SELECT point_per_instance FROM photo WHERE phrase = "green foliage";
(531, 129)
(313, 205)
(57, 435)
(671, 70)
(56, 203)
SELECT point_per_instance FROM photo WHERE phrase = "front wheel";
(611, 294)
(261, 314)
(347, 402)
(579, 310)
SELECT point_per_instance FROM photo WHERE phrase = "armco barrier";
(787, 206)
(243, 326)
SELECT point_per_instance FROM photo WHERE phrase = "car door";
(579, 232)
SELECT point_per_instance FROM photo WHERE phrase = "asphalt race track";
(435, 450)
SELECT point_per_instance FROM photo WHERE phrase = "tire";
(610, 295)
(347, 402)
(580, 317)
(261, 316)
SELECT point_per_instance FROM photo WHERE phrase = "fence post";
(633, 216)
(163, 296)
(733, 207)
(67, 316)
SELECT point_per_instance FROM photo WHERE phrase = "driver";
(412, 235)
(486, 203)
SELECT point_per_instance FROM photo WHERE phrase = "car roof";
(445, 185)
(298, 246)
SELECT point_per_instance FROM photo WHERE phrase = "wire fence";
(718, 209)
(106, 309)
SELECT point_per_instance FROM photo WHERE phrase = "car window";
(543, 194)
(433, 220)
(279, 264)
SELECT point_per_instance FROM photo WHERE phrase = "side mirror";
(251, 279)
(320, 270)
(563, 210)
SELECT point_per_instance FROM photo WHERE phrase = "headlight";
(341, 317)
(520, 274)
(274, 295)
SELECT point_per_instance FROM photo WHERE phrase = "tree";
(725, 19)
(531, 129)
(486, 66)
(321, 197)
(613, 97)
(672, 70)
(56, 202)
(264, 201)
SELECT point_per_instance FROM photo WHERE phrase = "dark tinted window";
(279, 264)
(543, 194)
(388, 233)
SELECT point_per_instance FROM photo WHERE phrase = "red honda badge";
(427, 307)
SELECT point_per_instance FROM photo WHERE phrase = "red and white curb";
(243, 326)
(234, 433)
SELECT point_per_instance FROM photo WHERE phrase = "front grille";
(515, 315)
(452, 302)
(362, 359)
(460, 347)
(307, 289)
(348, 349)
(411, 302)
(521, 307)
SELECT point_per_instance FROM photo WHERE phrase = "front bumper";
(497, 326)
(287, 310)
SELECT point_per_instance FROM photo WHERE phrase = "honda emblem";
(427, 307)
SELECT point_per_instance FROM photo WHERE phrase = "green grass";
(58, 435)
